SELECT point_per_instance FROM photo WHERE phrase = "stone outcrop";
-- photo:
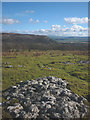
(45, 98)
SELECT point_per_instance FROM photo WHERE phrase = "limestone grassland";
(71, 66)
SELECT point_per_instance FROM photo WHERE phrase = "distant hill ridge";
(26, 41)
(17, 42)
(30, 37)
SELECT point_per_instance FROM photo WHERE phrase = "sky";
(46, 18)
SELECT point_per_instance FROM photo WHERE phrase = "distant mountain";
(18, 42)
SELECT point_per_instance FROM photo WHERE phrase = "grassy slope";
(37, 64)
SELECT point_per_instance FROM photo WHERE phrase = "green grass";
(37, 63)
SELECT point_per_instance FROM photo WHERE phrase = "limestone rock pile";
(45, 98)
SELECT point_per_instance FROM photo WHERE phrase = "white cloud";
(24, 13)
(58, 30)
(42, 30)
(74, 30)
(29, 11)
(45, 21)
(33, 21)
(56, 26)
(78, 28)
(9, 21)
(75, 20)
(37, 21)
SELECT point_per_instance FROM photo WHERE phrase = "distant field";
(71, 39)
(69, 65)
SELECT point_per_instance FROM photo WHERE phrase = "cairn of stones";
(44, 98)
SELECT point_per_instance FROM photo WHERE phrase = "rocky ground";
(45, 98)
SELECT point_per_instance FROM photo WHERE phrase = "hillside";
(17, 42)
(26, 41)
